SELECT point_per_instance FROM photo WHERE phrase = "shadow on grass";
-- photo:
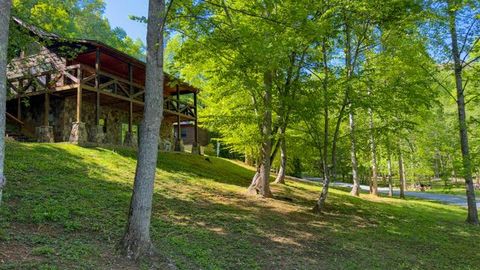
(84, 193)
(194, 166)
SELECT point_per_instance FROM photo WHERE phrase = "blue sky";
(118, 11)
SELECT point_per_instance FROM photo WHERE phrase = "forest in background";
(361, 91)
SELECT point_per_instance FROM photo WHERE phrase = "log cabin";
(84, 91)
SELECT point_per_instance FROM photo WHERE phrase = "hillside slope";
(65, 208)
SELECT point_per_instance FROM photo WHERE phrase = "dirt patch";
(16, 253)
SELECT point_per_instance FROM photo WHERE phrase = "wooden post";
(79, 96)
(19, 108)
(46, 112)
(97, 86)
(196, 119)
(130, 111)
(179, 132)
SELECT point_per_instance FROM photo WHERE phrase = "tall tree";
(136, 242)
(401, 172)
(453, 6)
(373, 150)
(261, 184)
(5, 7)
(73, 19)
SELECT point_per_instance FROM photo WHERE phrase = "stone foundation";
(196, 150)
(44, 134)
(64, 129)
(165, 145)
(131, 139)
(96, 134)
(79, 133)
(179, 147)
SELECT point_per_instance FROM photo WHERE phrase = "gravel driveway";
(443, 198)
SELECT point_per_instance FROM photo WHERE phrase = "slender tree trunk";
(401, 173)
(390, 174)
(349, 72)
(5, 7)
(353, 155)
(437, 164)
(326, 172)
(261, 185)
(373, 148)
(320, 204)
(136, 242)
(472, 216)
(283, 161)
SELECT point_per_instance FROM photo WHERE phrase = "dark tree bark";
(261, 184)
(373, 148)
(472, 216)
(401, 173)
(389, 168)
(136, 242)
(353, 155)
(5, 8)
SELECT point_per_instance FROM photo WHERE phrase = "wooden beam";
(179, 115)
(66, 87)
(89, 88)
(179, 131)
(130, 118)
(14, 118)
(46, 112)
(19, 108)
(120, 79)
(79, 97)
(196, 119)
(97, 84)
(130, 111)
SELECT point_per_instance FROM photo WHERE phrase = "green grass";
(452, 189)
(66, 206)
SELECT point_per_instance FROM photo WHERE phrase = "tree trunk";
(353, 155)
(401, 173)
(326, 172)
(436, 164)
(136, 242)
(5, 8)
(283, 160)
(261, 185)
(472, 216)
(390, 174)
(349, 72)
(320, 204)
(373, 148)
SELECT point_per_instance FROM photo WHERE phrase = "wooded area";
(382, 93)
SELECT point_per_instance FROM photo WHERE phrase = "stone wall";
(63, 115)
(113, 119)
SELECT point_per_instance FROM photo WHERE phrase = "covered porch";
(98, 81)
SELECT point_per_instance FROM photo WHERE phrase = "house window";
(184, 133)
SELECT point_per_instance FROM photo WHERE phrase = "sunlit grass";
(65, 207)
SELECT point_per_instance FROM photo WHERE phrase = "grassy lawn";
(452, 188)
(66, 206)
(452, 191)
